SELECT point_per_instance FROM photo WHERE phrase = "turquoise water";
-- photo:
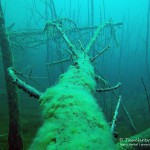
(124, 62)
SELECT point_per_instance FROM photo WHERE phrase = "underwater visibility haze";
(74, 74)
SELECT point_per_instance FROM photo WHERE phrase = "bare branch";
(100, 53)
(115, 115)
(68, 42)
(25, 76)
(30, 74)
(25, 69)
(81, 46)
(57, 24)
(127, 114)
(97, 32)
(147, 97)
(129, 117)
(41, 77)
(99, 78)
(108, 89)
(57, 62)
(22, 85)
(68, 51)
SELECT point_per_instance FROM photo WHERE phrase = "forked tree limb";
(22, 85)
(65, 37)
(96, 34)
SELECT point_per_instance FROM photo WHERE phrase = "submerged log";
(73, 119)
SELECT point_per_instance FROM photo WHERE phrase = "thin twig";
(99, 78)
(25, 69)
(68, 51)
(129, 117)
(25, 76)
(57, 62)
(29, 77)
(41, 77)
(100, 53)
(81, 46)
(146, 93)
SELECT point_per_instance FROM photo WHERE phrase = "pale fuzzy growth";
(73, 120)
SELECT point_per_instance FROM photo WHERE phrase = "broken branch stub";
(22, 85)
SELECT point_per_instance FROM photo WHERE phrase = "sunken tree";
(72, 117)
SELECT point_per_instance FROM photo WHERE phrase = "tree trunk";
(14, 138)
